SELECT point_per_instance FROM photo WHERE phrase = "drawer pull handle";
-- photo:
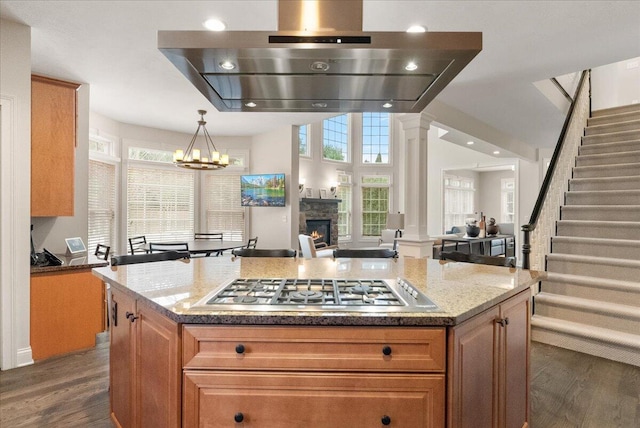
(240, 350)
(386, 420)
(503, 321)
(238, 417)
(131, 317)
(386, 350)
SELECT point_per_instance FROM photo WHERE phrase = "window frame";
(348, 143)
(389, 142)
(364, 185)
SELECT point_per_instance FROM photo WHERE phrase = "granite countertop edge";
(417, 319)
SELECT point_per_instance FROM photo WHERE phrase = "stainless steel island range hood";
(336, 70)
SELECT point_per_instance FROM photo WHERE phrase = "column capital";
(415, 120)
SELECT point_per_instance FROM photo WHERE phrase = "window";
(375, 138)
(345, 192)
(458, 200)
(303, 140)
(335, 138)
(160, 202)
(102, 205)
(375, 203)
(507, 211)
(222, 205)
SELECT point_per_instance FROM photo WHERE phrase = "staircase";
(590, 301)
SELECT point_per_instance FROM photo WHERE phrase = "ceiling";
(112, 45)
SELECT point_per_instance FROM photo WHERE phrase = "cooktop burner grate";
(319, 294)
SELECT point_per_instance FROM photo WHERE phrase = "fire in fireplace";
(320, 231)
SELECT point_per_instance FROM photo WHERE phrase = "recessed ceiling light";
(416, 29)
(497, 152)
(214, 25)
(387, 105)
(227, 65)
(251, 104)
(411, 66)
(470, 143)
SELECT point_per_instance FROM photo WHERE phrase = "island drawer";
(388, 349)
(284, 400)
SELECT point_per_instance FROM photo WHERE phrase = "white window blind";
(224, 213)
(458, 200)
(160, 203)
(345, 194)
(508, 200)
(102, 205)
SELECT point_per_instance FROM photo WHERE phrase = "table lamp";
(396, 221)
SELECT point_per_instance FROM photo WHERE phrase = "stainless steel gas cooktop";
(354, 295)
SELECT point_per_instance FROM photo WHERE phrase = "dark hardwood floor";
(568, 389)
(66, 391)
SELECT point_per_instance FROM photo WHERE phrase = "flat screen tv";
(262, 190)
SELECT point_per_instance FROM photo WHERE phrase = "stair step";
(599, 267)
(631, 125)
(631, 156)
(600, 212)
(605, 183)
(629, 230)
(599, 289)
(596, 247)
(614, 118)
(595, 313)
(611, 137)
(603, 197)
(619, 170)
(612, 111)
(601, 342)
(600, 148)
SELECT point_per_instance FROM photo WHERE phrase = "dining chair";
(146, 258)
(309, 250)
(251, 243)
(217, 236)
(168, 246)
(252, 252)
(137, 244)
(478, 258)
(102, 252)
(376, 253)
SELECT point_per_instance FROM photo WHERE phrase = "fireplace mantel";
(321, 201)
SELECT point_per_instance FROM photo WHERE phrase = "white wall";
(443, 156)
(276, 227)
(625, 91)
(15, 193)
(490, 193)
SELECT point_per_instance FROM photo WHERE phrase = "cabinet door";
(53, 143)
(121, 359)
(514, 384)
(318, 400)
(158, 370)
(474, 372)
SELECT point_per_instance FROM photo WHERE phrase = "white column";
(415, 242)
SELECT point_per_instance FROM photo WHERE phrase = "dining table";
(203, 246)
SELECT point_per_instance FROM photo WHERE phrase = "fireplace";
(319, 230)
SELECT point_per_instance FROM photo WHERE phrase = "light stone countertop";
(461, 290)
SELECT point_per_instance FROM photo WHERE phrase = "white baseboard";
(24, 357)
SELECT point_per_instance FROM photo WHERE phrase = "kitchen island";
(175, 362)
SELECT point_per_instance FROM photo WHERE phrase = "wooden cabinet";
(66, 312)
(313, 376)
(488, 356)
(53, 143)
(145, 385)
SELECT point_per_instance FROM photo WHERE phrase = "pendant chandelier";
(194, 158)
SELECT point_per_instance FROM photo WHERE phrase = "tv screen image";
(262, 190)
